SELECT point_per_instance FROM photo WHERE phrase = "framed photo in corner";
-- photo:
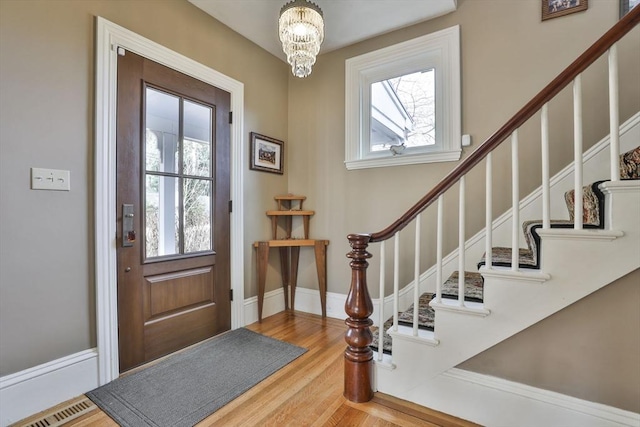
(555, 8)
(627, 5)
(267, 154)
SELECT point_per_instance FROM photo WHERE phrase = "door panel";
(169, 292)
(173, 157)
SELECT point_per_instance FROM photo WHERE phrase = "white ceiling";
(346, 21)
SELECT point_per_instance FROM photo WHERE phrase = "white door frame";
(109, 37)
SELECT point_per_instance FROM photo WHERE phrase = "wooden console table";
(289, 256)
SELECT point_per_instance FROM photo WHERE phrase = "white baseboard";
(273, 303)
(307, 300)
(35, 389)
(489, 396)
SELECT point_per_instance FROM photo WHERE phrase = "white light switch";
(466, 140)
(50, 179)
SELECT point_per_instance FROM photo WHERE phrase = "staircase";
(560, 266)
(506, 288)
(529, 259)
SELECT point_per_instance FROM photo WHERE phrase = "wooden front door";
(173, 163)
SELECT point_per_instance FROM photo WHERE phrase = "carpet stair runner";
(529, 258)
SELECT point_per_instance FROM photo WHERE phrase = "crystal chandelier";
(301, 29)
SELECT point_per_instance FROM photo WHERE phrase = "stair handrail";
(358, 356)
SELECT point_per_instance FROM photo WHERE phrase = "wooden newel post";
(358, 356)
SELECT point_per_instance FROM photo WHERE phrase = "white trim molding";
(539, 402)
(440, 51)
(307, 300)
(35, 389)
(109, 37)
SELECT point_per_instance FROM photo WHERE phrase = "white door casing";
(109, 37)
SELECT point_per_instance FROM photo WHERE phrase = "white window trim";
(440, 50)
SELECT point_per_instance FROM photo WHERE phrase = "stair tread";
(426, 314)
(473, 288)
(501, 256)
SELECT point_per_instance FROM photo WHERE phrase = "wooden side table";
(289, 256)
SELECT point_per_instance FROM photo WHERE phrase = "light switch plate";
(50, 179)
(466, 140)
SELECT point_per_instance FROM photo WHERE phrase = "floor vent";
(62, 415)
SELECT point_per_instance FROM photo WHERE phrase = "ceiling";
(346, 21)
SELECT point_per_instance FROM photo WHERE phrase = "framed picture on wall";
(627, 5)
(555, 8)
(267, 154)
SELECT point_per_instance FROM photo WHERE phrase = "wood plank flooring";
(308, 391)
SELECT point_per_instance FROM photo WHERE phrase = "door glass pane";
(162, 236)
(197, 139)
(197, 215)
(403, 111)
(162, 121)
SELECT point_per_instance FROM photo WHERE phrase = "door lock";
(128, 233)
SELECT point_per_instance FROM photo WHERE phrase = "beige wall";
(508, 55)
(46, 120)
(589, 350)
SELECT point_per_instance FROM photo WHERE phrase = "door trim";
(109, 37)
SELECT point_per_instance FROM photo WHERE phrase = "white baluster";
(515, 203)
(439, 251)
(461, 260)
(396, 279)
(577, 151)
(416, 279)
(381, 304)
(546, 206)
(489, 214)
(614, 118)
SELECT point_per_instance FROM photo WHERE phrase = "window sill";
(399, 160)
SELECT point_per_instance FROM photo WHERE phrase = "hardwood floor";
(308, 391)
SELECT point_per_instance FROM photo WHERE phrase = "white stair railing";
(416, 278)
(577, 152)
(614, 115)
(381, 314)
(461, 240)
(515, 205)
(396, 279)
(488, 213)
(439, 249)
(546, 205)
